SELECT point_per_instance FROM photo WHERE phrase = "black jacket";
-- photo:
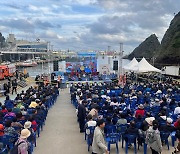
(81, 112)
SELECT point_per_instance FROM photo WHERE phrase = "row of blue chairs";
(8, 145)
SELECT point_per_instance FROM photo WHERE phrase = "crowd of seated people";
(23, 118)
(136, 105)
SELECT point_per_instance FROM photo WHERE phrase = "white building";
(171, 70)
(109, 63)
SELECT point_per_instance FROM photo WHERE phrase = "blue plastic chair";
(90, 134)
(173, 138)
(121, 129)
(110, 129)
(113, 138)
(164, 138)
(130, 139)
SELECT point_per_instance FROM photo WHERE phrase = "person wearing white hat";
(28, 125)
(177, 109)
(22, 142)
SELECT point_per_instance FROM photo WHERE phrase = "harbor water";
(47, 68)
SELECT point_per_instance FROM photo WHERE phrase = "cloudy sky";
(87, 24)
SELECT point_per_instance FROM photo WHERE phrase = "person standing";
(5, 87)
(153, 138)
(14, 86)
(99, 144)
(81, 116)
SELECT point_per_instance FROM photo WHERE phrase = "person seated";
(33, 123)
(114, 102)
(16, 109)
(132, 130)
(17, 125)
(28, 125)
(8, 103)
(122, 120)
(139, 119)
(23, 111)
(168, 127)
(10, 113)
(162, 117)
(23, 148)
(33, 104)
(163, 102)
(140, 111)
(4, 110)
(177, 109)
(90, 123)
(94, 111)
(1, 116)
(10, 131)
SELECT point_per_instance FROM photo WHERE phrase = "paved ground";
(61, 133)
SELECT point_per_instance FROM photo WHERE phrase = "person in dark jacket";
(132, 130)
(81, 116)
(9, 104)
(168, 127)
(14, 86)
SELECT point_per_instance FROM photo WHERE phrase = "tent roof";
(131, 65)
(144, 66)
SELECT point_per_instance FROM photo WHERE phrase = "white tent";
(132, 66)
(144, 66)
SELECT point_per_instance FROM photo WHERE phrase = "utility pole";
(120, 59)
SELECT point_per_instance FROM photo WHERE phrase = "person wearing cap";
(23, 147)
(99, 144)
(33, 104)
(140, 111)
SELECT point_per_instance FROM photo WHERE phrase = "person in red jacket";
(140, 111)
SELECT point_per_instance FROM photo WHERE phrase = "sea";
(47, 68)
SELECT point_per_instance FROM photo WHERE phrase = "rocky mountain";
(147, 48)
(169, 52)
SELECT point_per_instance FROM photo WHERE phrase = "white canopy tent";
(143, 66)
(132, 66)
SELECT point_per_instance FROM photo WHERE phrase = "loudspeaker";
(55, 66)
(115, 65)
